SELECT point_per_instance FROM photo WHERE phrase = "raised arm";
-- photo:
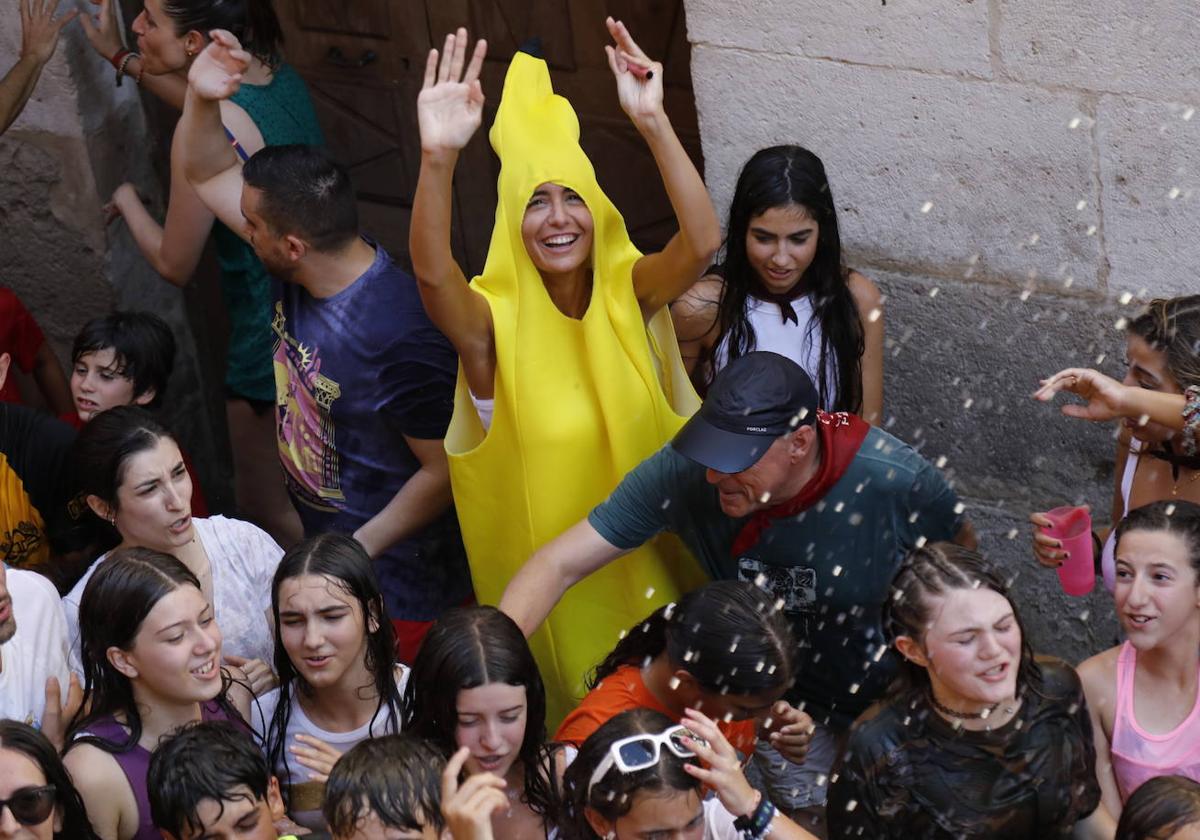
(39, 37)
(660, 278)
(208, 160)
(449, 112)
(1108, 399)
(552, 570)
(104, 34)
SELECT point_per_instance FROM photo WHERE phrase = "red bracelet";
(115, 61)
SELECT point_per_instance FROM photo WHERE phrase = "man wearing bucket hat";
(818, 508)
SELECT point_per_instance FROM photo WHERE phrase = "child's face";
(371, 827)
(241, 817)
(97, 384)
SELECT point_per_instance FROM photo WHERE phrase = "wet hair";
(398, 777)
(1172, 326)
(102, 451)
(345, 563)
(1175, 516)
(252, 22)
(203, 760)
(23, 738)
(729, 635)
(1159, 808)
(115, 602)
(777, 177)
(305, 193)
(466, 648)
(930, 572)
(143, 349)
(613, 794)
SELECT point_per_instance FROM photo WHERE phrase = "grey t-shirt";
(831, 564)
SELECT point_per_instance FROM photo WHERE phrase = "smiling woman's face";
(557, 229)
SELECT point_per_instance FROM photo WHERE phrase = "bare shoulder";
(1099, 675)
(866, 294)
(96, 773)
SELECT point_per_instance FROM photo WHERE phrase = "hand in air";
(790, 731)
(258, 673)
(1046, 549)
(103, 32)
(722, 771)
(216, 73)
(639, 80)
(450, 105)
(468, 809)
(316, 755)
(40, 29)
(1104, 395)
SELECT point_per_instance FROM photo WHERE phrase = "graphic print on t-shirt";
(796, 586)
(304, 400)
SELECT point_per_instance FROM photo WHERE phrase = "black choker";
(981, 715)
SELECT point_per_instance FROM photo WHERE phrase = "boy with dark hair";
(400, 783)
(210, 781)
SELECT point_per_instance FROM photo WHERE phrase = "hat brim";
(717, 449)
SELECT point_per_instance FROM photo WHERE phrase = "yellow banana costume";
(579, 403)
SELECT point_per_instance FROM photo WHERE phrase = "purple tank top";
(135, 763)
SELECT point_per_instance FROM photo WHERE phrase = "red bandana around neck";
(841, 435)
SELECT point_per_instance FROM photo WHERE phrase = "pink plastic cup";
(1073, 527)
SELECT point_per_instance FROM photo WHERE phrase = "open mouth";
(996, 673)
(180, 525)
(206, 671)
(317, 661)
(490, 762)
(562, 242)
(1139, 621)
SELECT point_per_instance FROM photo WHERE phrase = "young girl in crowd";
(723, 649)
(590, 308)
(1157, 454)
(1164, 808)
(41, 802)
(124, 358)
(977, 739)
(781, 286)
(272, 108)
(132, 475)
(475, 684)
(1144, 694)
(335, 654)
(152, 662)
(639, 775)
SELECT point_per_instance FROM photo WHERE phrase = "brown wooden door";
(364, 61)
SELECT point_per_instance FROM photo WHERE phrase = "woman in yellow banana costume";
(570, 373)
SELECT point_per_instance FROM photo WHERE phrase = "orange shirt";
(624, 689)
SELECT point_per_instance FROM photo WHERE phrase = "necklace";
(946, 710)
(1175, 483)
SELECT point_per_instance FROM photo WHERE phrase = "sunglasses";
(637, 752)
(30, 805)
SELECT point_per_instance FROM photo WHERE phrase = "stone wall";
(77, 139)
(1010, 172)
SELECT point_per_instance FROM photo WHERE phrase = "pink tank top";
(1138, 755)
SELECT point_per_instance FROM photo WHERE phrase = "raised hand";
(468, 809)
(1105, 396)
(790, 731)
(722, 771)
(639, 80)
(217, 72)
(258, 673)
(103, 32)
(40, 29)
(1046, 549)
(450, 105)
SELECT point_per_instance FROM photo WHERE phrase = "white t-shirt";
(718, 823)
(243, 558)
(36, 652)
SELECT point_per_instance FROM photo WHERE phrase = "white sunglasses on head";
(637, 752)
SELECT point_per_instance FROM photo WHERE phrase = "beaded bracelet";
(124, 62)
(1191, 419)
(757, 824)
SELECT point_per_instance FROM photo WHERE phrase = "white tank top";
(799, 341)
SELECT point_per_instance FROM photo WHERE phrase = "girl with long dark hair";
(475, 684)
(130, 471)
(272, 108)
(151, 662)
(640, 775)
(977, 738)
(781, 286)
(339, 682)
(38, 793)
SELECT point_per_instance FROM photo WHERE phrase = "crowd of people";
(596, 544)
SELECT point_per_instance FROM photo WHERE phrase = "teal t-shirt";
(831, 565)
(284, 114)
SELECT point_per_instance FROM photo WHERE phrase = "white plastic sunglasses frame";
(658, 740)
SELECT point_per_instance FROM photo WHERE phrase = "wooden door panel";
(372, 19)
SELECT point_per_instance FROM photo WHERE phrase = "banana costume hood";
(578, 402)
